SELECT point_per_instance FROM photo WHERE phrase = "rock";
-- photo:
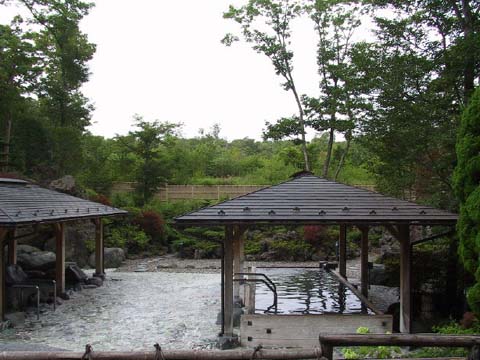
(319, 256)
(268, 256)
(15, 275)
(64, 184)
(64, 296)
(189, 266)
(113, 258)
(40, 260)
(95, 280)
(36, 274)
(89, 286)
(26, 249)
(77, 235)
(73, 274)
(16, 318)
(59, 300)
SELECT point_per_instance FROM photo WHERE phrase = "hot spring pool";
(307, 291)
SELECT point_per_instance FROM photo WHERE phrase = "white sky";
(164, 60)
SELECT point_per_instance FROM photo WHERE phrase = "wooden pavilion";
(25, 205)
(310, 200)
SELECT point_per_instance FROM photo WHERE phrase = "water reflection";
(307, 291)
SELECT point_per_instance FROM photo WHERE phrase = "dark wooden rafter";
(3, 236)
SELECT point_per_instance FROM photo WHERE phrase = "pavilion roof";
(22, 203)
(309, 199)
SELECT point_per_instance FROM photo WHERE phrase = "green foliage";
(128, 237)
(375, 352)
(450, 328)
(291, 250)
(252, 247)
(467, 187)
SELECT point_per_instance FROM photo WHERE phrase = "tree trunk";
(344, 156)
(6, 142)
(469, 70)
(326, 164)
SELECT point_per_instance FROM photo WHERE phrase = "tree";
(65, 52)
(467, 188)
(18, 74)
(339, 101)
(416, 71)
(266, 24)
(145, 143)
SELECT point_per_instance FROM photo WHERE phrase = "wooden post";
(238, 258)
(228, 282)
(405, 279)
(60, 257)
(3, 233)
(12, 248)
(342, 251)
(364, 261)
(99, 249)
(249, 294)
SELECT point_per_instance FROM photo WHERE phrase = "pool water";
(307, 291)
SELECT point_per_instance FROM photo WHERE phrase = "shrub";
(128, 236)
(252, 247)
(152, 224)
(375, 352)
(291, 250)
(313, 233)
(102, 199)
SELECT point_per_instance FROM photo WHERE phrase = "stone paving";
(132, 311)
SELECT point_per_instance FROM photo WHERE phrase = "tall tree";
(65, 54)
(145, 143)
(18, 74)
(267, 25)
(467, 188)
(335, 108)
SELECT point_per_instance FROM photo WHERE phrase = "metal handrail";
(268, 282)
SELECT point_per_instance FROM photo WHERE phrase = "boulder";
(113, 258)
(16, 318)
(77, 235)
(64, 184)
(73, 274)
(27, 249)
(95, 280)
(36, 260)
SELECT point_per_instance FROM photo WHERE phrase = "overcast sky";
(164, 60)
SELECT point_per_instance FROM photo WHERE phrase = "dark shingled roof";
(24, 204)
(308, 199)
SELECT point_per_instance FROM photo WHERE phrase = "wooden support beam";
(12, 248)
(364, 260)
(3, 234)
(60, 257)
(99, 248)
(236, 354)
(405, 279)
(228, 281)
(238, 258)
(342, 251)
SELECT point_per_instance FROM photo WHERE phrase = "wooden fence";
(200, 192)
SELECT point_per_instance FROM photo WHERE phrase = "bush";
(152, 224)
(252, 247)
(128, 237)
(375, 352)
(291, 250)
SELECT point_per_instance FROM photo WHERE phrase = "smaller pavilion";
(26, 205)
(310, 200)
